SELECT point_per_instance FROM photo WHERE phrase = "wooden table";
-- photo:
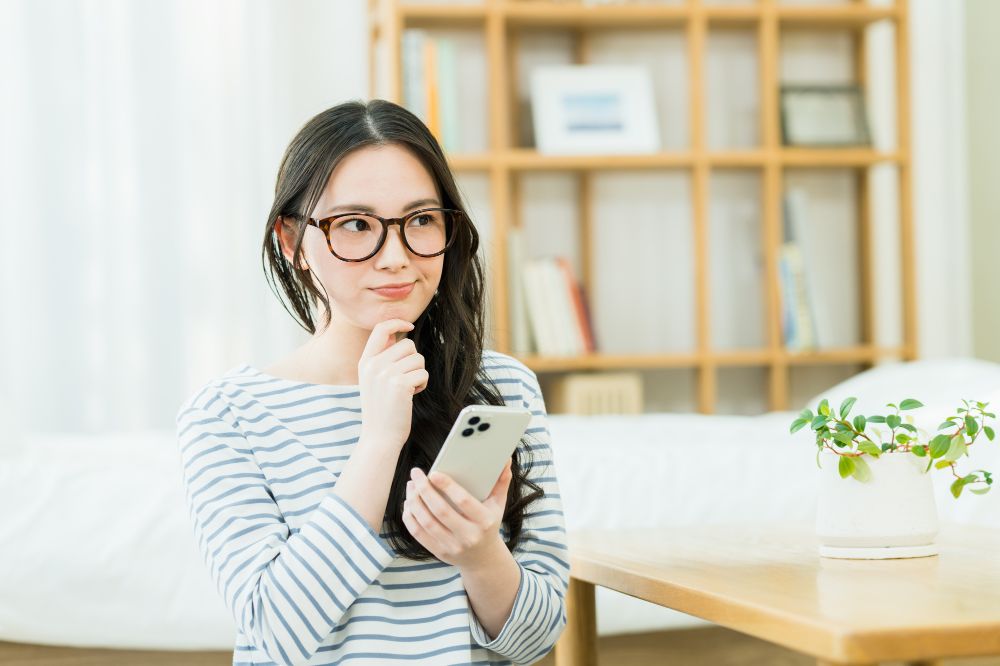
(768, 581)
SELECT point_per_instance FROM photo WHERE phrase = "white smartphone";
(481, 441)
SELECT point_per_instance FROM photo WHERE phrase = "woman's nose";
(394, 250)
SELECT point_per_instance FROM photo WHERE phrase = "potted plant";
(876, 499)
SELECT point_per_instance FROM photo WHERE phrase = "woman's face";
(390, 181)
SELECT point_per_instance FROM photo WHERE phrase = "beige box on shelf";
(596, 393)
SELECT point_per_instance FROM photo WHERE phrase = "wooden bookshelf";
(503, 162)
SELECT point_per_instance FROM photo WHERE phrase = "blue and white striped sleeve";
(286, 591)
(539, 613)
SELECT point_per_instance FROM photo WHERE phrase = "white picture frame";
(824, 116)
(593, 109)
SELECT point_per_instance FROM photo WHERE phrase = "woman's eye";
(427, 219)
(362, 225)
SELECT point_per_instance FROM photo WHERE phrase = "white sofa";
(98, 548)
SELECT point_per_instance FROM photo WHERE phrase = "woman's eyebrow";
(361, 208)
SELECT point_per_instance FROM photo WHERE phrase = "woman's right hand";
(390, 372)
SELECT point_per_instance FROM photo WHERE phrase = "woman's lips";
(397, 292)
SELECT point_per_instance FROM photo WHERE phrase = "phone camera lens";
(474, 420)
(484, 426)
(467, 432)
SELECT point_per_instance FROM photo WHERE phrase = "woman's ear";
(286, 239)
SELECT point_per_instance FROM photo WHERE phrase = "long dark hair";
(449, 332)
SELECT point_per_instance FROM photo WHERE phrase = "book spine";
(537, 305)
(579, 320)
(431, 87)
(521, 342)
(414, 98)
(448, 97)
(592, 343)
(803, 324)
(554, 314)
(787, 317)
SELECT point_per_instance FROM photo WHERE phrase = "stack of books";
(430, 84)
(549, 312)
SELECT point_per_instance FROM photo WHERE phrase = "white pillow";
(940, 384)
(99, 549)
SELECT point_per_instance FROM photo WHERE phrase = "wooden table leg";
(578, 644)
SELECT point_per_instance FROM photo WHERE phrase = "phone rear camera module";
(474, 420)
(467, 432)
(484, 426)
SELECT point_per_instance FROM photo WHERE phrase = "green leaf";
(909, 426)
(910, 403)
(845, 466)
(946, 424)
(989, 432)
(870, 449)
(806, 414)
(824, 407)
(876, 419)
(818, 422)
(940, 446)
(971, 426)
(957, 449)
(979, 491)
(860, 423)
(843, 438)
(902, 438)
(956, 488)
(941, 464)
(893, 420)
(845, 407)
(919, 451)
(862, 472)
(798, 424)
(886, 446)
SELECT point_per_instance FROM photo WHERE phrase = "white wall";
(983, 99)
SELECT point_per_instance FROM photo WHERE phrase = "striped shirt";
(305, 577)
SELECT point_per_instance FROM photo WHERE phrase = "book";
(583, 338)
(559, 307)
(798, 230)
(448, 95)
(537, 306)
(520, 329)
(414, 96)
(798, 327)
(433, 120)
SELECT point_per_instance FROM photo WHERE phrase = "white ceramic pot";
(893, 514)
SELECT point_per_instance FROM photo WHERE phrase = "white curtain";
(139, 143)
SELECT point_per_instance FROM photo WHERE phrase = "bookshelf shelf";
(736, 358)
(846, 16)
(701, 162)
(525, 159)
(540, 14)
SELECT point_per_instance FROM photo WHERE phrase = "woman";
(305, 481)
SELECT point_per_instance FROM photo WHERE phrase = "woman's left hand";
(460, 538)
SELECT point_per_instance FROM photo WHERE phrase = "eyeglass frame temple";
(386, 223)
